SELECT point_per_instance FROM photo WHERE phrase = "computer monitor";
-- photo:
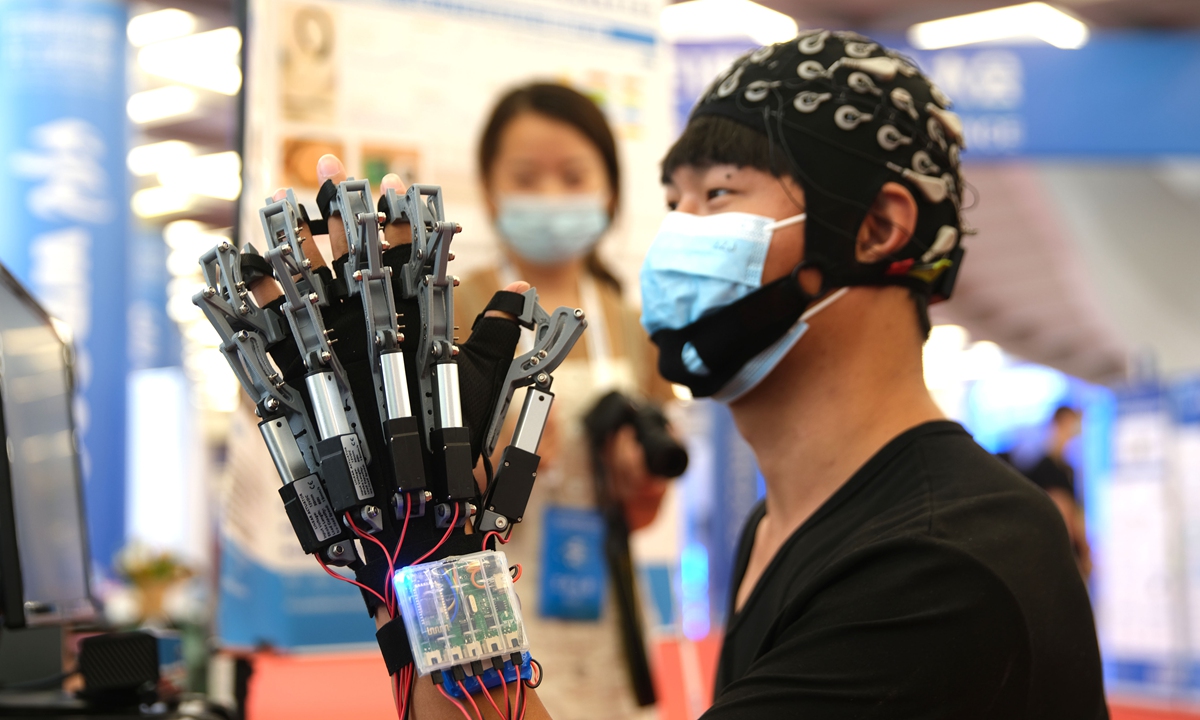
(44, 560)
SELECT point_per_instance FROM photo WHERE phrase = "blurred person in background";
(1054, 474)
(551, 181)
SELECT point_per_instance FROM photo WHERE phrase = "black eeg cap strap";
(730, 337)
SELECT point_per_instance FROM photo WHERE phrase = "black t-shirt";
(1051, 474)
(936, 583)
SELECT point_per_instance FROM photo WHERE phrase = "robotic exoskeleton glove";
(376, 441)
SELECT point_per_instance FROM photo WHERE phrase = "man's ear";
(888, 226)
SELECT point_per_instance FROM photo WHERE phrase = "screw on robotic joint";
(471, 509)
(436, 350)
(244, 309)
(225, 247)
(307, 264)
(428, 496)
(453, 351)
(326, 356)
(312, 298)
(501, 522)
(542, 378)
(399, 337)
(336, 551)
(271, 403)
(542, 354)
(209, 292)
(381, 217)
(578, 313)
(456, 281)
(534, 360)
(450, 256)
(357, 275)
(457, 228)
(243, 335)
(286, 249)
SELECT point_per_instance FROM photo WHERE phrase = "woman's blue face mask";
(550, 229)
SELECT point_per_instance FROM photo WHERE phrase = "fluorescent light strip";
(161, 103)
(159, 25)
(720, 19)
(207, 60)
(1031, 21)
(149, 159)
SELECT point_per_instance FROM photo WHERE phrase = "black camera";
(664, 455)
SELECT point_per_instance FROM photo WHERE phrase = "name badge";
(574, 572)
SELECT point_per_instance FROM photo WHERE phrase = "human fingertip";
(391, 180)
(329, 166)
(519, 286)
(279, 194)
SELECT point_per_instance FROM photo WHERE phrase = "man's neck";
(851, 384)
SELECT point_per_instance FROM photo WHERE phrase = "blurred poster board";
(1139, 599)
(405, 86)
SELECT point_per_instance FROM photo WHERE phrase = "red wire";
(470, 699)
(387, 589)
(445, 537)
(507, 705)
(502, 539)
(518, 575)
(457, 704)
(346, 579)
(522, 696)
(488, 695)
(404, 529)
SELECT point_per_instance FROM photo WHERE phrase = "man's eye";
(717, 192)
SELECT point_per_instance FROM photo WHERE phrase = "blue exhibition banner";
(62, 142)
(1123, 94)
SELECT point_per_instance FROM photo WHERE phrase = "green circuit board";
(460, 609)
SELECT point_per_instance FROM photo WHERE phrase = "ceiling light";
(159, 25)
(160, 103)
(158, 201)
(149, 159)
(208, 60)
(699, 20)
(1031, 21)
(217, 176)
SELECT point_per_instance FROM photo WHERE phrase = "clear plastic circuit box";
(460, 609)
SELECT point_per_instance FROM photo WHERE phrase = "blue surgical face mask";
(546, 229)
(699, 264)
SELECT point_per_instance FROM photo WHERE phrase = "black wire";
(540, 676)
(488, 471)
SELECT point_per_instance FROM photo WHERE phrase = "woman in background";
(551, 182)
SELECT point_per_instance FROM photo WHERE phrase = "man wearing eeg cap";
(895, 569)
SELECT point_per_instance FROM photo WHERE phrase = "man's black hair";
(713, 140)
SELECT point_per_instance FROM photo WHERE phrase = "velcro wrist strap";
(393, 643)
(504, 301)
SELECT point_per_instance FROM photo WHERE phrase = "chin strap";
(727, 339)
